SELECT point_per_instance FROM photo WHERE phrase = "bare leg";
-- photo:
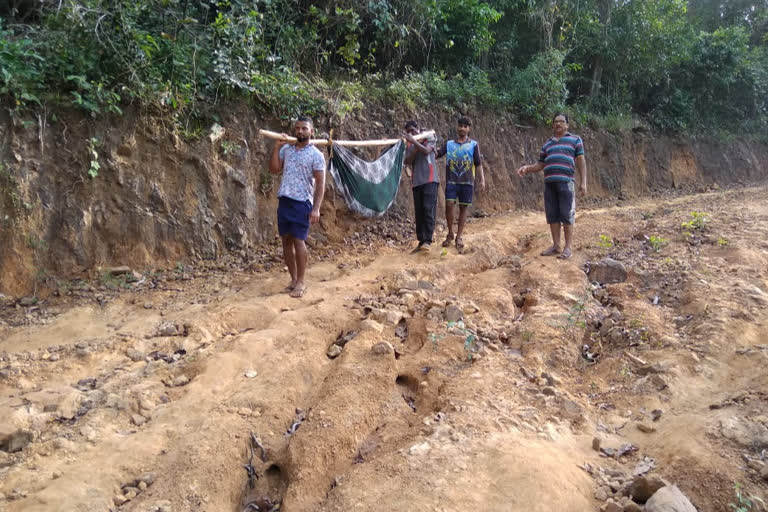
(449, 205)
(462, 219)
(568, 230)
(555, 229)
(289, 256)
(301, 265)
(460, 230)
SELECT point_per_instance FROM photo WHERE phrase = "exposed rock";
(453, 313)
(419, 449)
(764, 473)
(607, 271)
(334, 351)
(371, 325)
(134, 355)
(745, 432)
(138, 419)
(645, 427)
(601, 494)
(250, 374)
(27, 301)
(643, 487)
(382, 348)
(181, 380)
(119, 271)
(612, 506)
(120, 499)
(596, 444)
(549, 391)
(15, 441)
(669, 499)
(632, 507)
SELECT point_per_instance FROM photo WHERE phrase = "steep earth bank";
(160, 199)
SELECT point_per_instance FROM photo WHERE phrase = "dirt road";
(475, 381)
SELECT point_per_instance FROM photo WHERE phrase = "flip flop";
(459, 243)
(565, 254)
(297, 292)
(448, 240)
(550, 252)
(288, 289)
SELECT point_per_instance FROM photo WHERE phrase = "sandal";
(459, 243)
(551, 251)
(565, 255)
(448, 240)
(288, 289)
(298, 291)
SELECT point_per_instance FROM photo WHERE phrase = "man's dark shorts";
(559, 202)
(293, 217)
(460, 192)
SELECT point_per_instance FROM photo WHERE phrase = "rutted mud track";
(156, 401)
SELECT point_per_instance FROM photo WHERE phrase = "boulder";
(643, 487)
(607, 271)
(669, 499)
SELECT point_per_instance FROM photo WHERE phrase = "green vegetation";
(697, 223)
(657, 243)
(93, 168)
(605, 242)
(722, 242)
(680, 66)
(745, 503)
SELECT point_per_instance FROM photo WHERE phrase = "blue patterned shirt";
(298, 181)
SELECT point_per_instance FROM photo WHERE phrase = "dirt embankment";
(159, 199)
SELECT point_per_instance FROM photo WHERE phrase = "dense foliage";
(699, 65)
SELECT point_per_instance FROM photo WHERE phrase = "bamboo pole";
(357, 143)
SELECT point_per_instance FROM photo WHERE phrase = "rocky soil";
(630, 377)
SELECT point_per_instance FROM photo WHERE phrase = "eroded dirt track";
(466, 386)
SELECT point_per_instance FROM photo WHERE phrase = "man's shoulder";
(573, 136)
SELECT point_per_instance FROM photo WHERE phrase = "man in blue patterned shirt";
(560, 156)
(299, 197)
(462, 162)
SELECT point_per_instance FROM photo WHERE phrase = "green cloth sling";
(369, 188)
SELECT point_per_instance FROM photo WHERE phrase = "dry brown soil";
(152, 393)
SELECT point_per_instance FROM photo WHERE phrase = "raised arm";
(275, 162)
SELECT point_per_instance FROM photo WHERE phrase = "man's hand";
(283, 142)
(522, 170)
(410, 138)
(314, 216)
(482, 182)
(583, 188)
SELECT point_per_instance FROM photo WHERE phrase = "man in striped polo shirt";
(560, 156)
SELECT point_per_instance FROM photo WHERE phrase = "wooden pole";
(358, 143)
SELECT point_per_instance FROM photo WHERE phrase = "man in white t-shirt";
(300, 196)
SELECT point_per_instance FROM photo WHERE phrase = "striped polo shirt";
(559, 156)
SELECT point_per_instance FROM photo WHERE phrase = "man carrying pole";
(424, 181)
(300, 196)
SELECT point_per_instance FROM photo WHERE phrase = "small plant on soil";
(575, 318)
(657, 243)
(722, 242)
(93, 168)
(745, 503)
(230, 148)
(605, 242)
(698, 222)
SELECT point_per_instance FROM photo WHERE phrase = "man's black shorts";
(559, 202)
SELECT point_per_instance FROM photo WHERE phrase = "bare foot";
(551, 251)
(299, 290)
